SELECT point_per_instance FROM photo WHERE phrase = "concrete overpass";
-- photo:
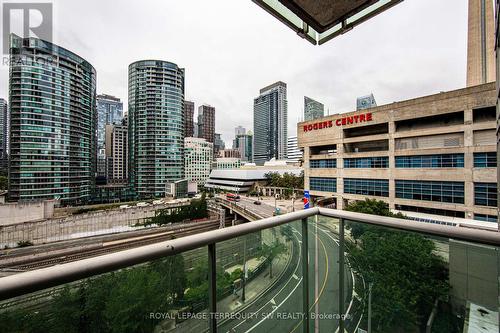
(246, 208)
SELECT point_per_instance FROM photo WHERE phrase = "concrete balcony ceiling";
(318, 21)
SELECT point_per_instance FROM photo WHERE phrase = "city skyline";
(323, 75)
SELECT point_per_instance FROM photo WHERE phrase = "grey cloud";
(232, 48)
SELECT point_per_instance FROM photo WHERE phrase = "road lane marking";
(276, 308)
(282, 288)
(326, 232)
(322, 287)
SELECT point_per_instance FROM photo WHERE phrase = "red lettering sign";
(359, 118)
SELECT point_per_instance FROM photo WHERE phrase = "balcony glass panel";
(417, 282)
(358, 276)
(164, 293)
(260, 281)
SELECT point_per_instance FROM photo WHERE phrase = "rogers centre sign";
(360, 118)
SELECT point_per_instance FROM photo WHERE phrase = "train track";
(111, 246)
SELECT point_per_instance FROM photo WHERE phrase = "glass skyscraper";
(109, 111)
(244, 144)
(156, 126)
(53, 123)
(270, 118)
(313, 109)
(365, 102)
(188, 119)
(4, 132)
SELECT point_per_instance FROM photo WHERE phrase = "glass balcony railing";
(318, 270)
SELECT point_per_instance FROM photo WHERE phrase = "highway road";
(263, 210)
(280, 309)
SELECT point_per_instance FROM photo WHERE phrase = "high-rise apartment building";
(270, 120)
(481, 43)
(293, 151)
(244, 144)
(156, 126)
(4, 132)
(365, 102)
(117, 152)
(497, 53)
(240, 130)
(109, 111)
(234, 153)
(198, 157)
(313, 109)
(206, 123)
(101, 169)
(226, 163)
(188, 119)
(219, 144)
(53, 123)
(196, 134)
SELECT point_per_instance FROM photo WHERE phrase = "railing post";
(341, 275)
(305, 277)
(212, 289)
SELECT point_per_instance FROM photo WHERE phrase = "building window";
(375, 187)
(431, 211)
(323, 184)
(485, 160)
(431, 161)
(323, 164)
(485, 194)
(452, 192)
(486, 218)
(367, 162)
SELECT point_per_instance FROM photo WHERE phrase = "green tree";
(270, 252)
(407, 277)
(287, 232)
(136, 294)
(197, 209)
(288, 180)
(368, 206)
(4, 182)
(173, 279)
(67, 311)
(406, 273)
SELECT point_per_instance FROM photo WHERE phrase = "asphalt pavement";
(280, 309)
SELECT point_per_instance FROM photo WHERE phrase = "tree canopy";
(406, 273)
(288, 180)
(197, 209)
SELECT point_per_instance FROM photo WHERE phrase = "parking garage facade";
(434, 154)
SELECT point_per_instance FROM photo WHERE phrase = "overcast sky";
(232, 48)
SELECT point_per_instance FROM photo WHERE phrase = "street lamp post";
(370, 307)
(244, 268)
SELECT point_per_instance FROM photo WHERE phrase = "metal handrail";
(23, 283)
(459, 233)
